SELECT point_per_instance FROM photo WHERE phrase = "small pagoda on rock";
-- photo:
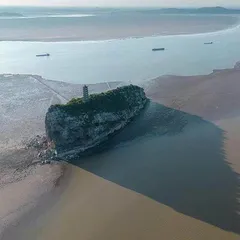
(85, 93)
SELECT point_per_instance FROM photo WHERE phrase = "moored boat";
(43, 55)
(158, 49)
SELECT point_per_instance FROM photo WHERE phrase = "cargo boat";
(43, 55)
(158, 49)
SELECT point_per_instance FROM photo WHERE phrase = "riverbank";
(24, 182)
(135, 190)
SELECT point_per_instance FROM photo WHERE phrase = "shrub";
(110, 101)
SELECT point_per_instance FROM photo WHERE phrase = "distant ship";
(158, 49)
(208, 43)
(43, 55)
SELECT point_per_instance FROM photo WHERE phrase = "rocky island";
(82, 124)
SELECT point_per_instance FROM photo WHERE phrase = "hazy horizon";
(124, 3)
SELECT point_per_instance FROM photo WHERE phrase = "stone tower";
(85, 93)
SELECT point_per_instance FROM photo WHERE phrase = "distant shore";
(210, 97)
(89, 29)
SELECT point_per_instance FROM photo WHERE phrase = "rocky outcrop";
(79, 127)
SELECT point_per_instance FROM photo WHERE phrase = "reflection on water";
(176, 159)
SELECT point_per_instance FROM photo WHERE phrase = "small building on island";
(85, 93)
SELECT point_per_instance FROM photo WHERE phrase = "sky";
(160, 3)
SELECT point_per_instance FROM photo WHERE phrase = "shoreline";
(143, 83)
(79, 40)
(116, 38)
(177, 97)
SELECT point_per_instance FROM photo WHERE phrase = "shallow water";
(121, 60)
(177, 159)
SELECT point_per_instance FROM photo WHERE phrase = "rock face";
(77, 127)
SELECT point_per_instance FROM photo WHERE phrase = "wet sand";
(173, 173)
(93, 208)
(23, 181)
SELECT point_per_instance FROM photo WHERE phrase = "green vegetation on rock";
(111, 101)
(78, 127)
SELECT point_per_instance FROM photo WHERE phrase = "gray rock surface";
(74, 134)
